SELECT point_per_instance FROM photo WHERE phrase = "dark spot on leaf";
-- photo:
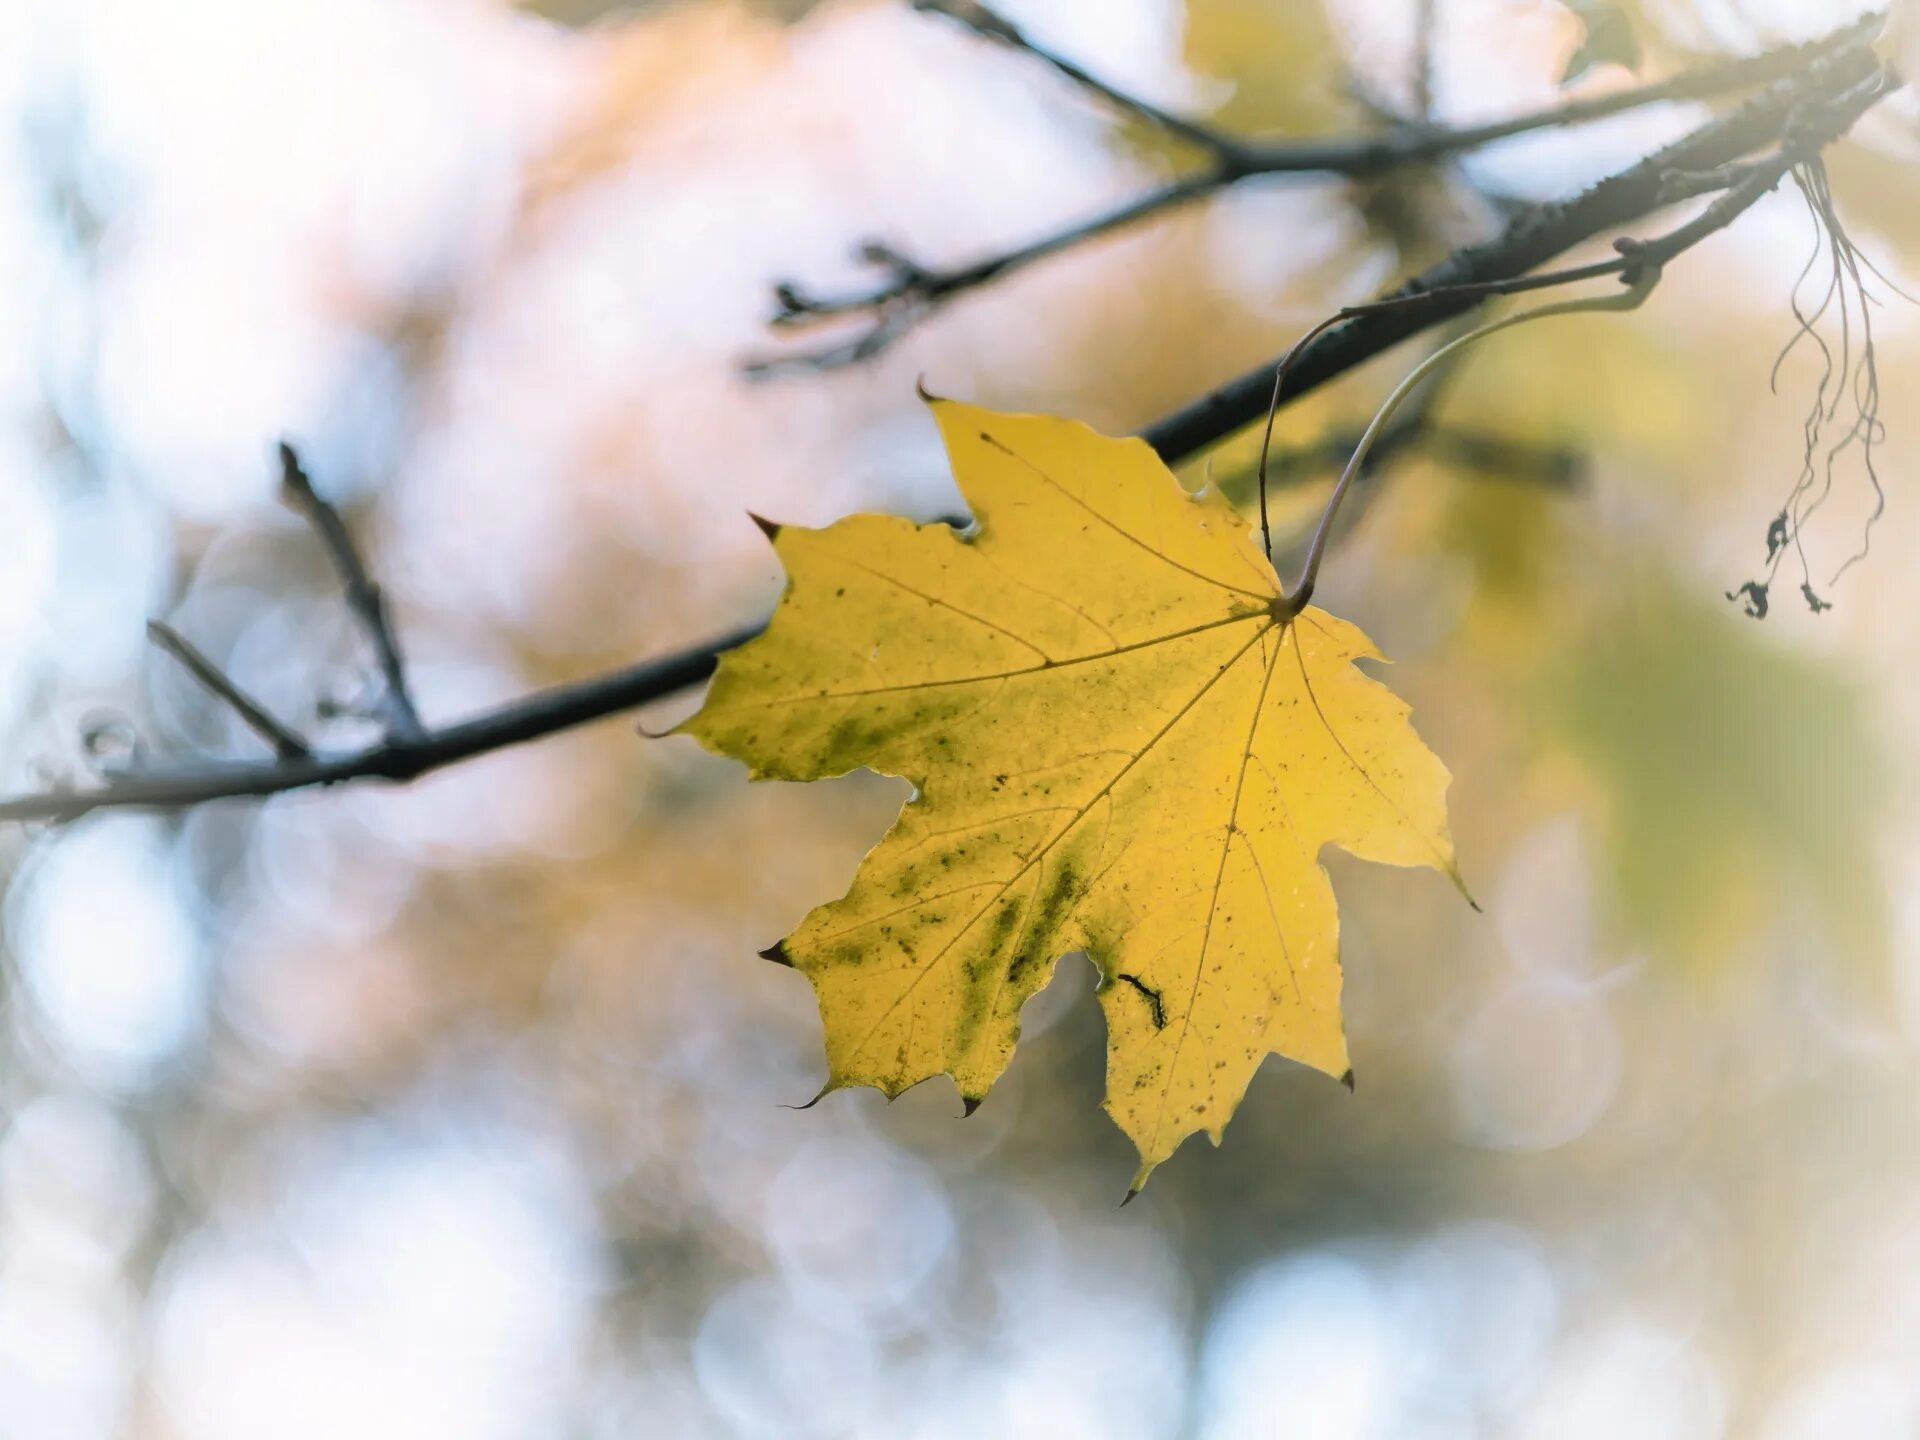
(1039, 944)
(1152, 996)
(851, 743)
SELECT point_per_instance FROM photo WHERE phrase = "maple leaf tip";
(920, 389)
(969, 1104)
(1460, 884)
(768, 528)
(777, 953)
(1347, 1080)
(1132, 1195)
(825, 1090)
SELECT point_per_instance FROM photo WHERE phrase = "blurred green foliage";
(1737, 779)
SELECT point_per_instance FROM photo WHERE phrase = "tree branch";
(991, 25)
(532, 717)
(1796, 117)
(909, 290)
(363, 596)
(257, 718)
(1823, 99)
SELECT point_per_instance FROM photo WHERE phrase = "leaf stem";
(1640, 282)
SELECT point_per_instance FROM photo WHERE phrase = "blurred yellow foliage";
(1279, 63)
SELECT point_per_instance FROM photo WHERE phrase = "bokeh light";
(464, 1110)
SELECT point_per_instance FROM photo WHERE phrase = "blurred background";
(463, 1111)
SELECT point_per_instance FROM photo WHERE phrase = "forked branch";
(365, 598)
(283, 740)
(907, 290)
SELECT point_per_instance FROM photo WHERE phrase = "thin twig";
(1646, 277)
(1413, 425)
(1273, 410)
(910, 290)
(1411, 300)
(992, 25)
(1642, 261)
(531, 717)
(1535, 236)
(282, 739)
(913, 291)
(364, 597)
(1748, 179)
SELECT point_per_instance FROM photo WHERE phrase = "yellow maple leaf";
(1123, 744)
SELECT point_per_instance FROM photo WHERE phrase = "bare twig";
(1414, 425)
(1638, 264)
(1641, 268)
(284, 742)
(1825, 91)
(912, 291)
(531, 717)
(1644, 277)
(1797, 115)
(992, 25)
(909, 290)
(1415, 418)
(364, 597)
